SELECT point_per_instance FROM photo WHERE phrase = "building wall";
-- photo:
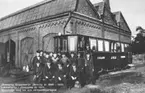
(88, 29)
(29, 38)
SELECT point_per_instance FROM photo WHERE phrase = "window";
(122, 47)
(100, 45)
(64, 45)
(93, 44)
(61, 45)
(112, 46)
(107, 47)
(126, 47)
(115, 47)
(118, 47)
(81, 43)
(72, 43)
(55, 44)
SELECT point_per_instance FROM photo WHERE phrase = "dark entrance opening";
(2, 53)
(10, 47)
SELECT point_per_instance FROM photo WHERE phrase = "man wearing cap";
(89, 68)
(65, 62)
(35, 59)
(73, 75)
(48, 74)
(60, 75)
(73, 59)
(81, 65)
(37, 68)
(55, 61)
(47, 60)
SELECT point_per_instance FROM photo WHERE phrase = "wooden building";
(34, 27)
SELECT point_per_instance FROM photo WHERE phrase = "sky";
(132, 10)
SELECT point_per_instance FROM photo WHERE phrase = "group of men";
(61, 68)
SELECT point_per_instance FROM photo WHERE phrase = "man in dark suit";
(73, 75)
(60, 75)
(37, 71)
(88, 69)
(81, 65)
(73, 59)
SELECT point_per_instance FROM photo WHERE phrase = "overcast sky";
(133, 10)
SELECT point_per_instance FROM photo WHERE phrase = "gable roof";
(117, 16)
(43, 9)
(100, 7)
(121, 20)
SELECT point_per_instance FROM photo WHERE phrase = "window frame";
(96, 47)
(106, 41)
(76, 42)
(102, 45)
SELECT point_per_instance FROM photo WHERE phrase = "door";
(27, 51)
(2, 53)
(48, 42)
(10, 47)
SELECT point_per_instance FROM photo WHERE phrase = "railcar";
(107, 54)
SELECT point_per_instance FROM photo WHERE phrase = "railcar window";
(93, 44)
(112, 46)
(122, 47)
(126, 47)
(72, 43)
(55, 44)
(64, 45)
(107, 47)
(81, 42)
(61, 44)
(100, 45)
(118, 47)
(115, 47)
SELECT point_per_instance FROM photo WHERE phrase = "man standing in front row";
(37, 68)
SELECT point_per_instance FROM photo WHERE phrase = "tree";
(138, 45)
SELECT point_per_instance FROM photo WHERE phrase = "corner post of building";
(103, 30)
(69, 17)
(119, 31)
(17, 52)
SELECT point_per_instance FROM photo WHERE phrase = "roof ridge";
(27, 8)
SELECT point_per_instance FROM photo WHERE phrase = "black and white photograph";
(72, 46)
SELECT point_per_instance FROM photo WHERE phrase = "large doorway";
(27, 51)
(48, 42)
(2, 53)
(10, 54)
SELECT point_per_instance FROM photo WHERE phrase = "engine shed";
(35, 27)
